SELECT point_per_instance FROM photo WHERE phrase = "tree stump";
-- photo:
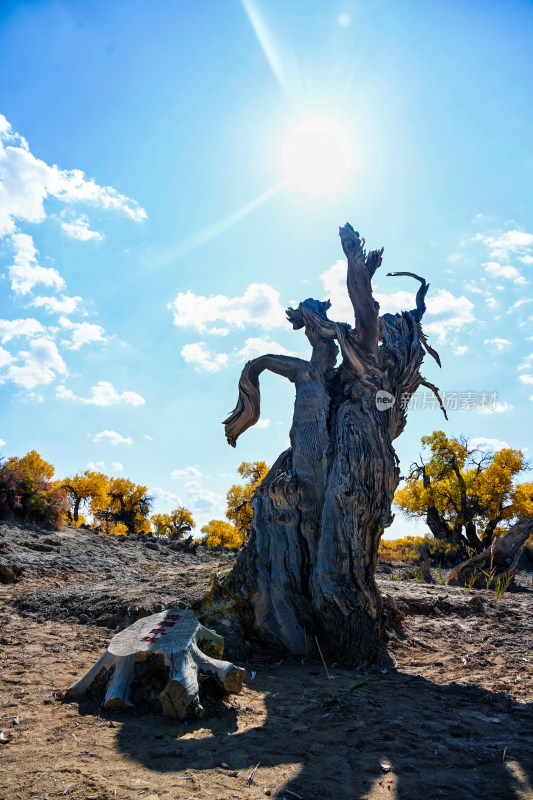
(175, 634)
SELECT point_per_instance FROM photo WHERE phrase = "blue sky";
(150, 239)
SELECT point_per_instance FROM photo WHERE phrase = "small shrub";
(415, 549)
(115, 529)
(31, 498)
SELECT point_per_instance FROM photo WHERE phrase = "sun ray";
(267, 42)
(212, 231)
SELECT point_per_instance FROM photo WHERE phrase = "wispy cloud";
(38, 365)
(187, 472)
(258, 306)
(202, 359)
(256, 346)
(82, 333)
(497, 344)
(12, 328)
(112, 437)
(482, 443)
(55, 305)
(25, 271)
(505, 271)
(103, 394)
(79, 228)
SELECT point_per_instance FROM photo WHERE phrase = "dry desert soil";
(448, 715)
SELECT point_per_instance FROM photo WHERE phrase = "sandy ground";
(450, 716)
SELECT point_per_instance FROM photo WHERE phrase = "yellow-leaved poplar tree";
(128, 504)
(467, 495)
(219, 533)
(32, 466)
(177, 523)
(89, 488)
(239, 511)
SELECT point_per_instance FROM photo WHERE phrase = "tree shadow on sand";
(400, 734)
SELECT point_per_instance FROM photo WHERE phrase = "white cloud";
(460, 349)
(188, 472)
(10, 328)
(495, 408)
(520, 303)
(262, 423)
(498, 344)
(150, 438)
(205, 502)
(103, 394)
(112, 437)
(26, 182)
(40, 364)
(198, 354)
(25, 396)
(259, 305)
(255, 347)
(344, 20)
(514, 241)
(527, 379)
(99, 466)
(505, 271)
(82, 333)
(2, 442)
(526, 259)
(79, 228)
(25, 272)
(472, 287)
(169, 499)
(56, 306)
(5, 357)
(445, 312)
(482, 443)
(527, 363)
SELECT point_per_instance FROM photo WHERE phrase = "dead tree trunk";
(308, 567)
(497, 562)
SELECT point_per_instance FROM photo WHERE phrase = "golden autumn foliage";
(129, 504)
(90, 488)
(27, 492)
(412, 549)
(219, 533)
(118, 529)
(239, 510)
(468, 496)
(32, 466)
(177, 523)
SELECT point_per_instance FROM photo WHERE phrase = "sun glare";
(317, 156)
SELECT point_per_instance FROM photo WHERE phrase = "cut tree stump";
(175, 634)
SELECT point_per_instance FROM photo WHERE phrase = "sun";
(317, 156)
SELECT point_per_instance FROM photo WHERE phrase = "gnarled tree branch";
(248, 408)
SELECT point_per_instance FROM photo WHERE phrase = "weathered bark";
(497, 562)
(308, 567)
